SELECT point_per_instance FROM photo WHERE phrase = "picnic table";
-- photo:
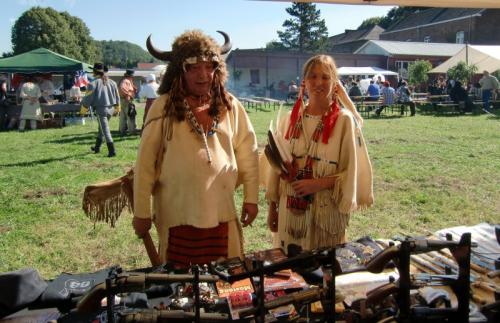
(269, 101)
(364, 105)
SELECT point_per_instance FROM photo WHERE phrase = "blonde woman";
(331, 174)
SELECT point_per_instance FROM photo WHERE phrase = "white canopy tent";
(364, 71)
(413, 3)
(486, 58)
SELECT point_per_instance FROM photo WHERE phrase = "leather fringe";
(104, 202)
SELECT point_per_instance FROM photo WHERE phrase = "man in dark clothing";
(459, 95)
(404, 98)
(354, 90)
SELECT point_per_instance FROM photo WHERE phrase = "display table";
(53, 115)
(450, 276)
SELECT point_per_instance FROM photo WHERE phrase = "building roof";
(354, 35)
(392, 48)
(432, 16)
(485, 58)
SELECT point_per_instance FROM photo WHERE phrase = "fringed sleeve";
(246, 152)
(353, 186)
(105, 201)
(146, 164)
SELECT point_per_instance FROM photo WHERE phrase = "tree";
(122, 53)
(59, 32)
(394, 15)
(275, 44)
(462, 72)
(305, 31)
(370, 22)
(417, 72)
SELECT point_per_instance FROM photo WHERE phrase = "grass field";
(430, 172)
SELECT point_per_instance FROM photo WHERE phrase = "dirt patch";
(4, 229)
(45, 193)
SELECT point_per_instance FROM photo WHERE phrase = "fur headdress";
(189, 48)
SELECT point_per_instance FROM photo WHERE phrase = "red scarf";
(329, 119)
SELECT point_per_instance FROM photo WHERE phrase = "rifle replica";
(401, 255)
(314, 259)
(126, 282)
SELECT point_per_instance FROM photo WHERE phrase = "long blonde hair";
(337, 89)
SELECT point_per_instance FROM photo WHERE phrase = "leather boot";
(111, 149)
(97, 147)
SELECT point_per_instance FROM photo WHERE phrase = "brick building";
(401, 54)
(351, 40)
(260, 71)
(448, 25)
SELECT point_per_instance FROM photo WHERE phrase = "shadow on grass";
(89, 138)
(43, 161)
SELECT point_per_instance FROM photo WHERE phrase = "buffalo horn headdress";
(170, 55)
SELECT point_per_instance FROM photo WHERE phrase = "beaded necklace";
(198, 129)
(299, 205)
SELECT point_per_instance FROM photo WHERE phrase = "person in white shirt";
(47, 88)
(149, 91)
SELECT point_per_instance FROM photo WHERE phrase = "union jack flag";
(81, 79)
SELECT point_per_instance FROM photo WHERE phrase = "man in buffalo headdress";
(197, 146)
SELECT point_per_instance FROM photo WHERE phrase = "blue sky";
(251, 24)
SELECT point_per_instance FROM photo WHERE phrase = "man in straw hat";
(197, 146)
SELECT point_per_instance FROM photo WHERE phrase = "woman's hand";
(272, 217)
(304, 187)
(292, 169)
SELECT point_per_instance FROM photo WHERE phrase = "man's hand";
(272, 217)
(141, 226)
(248, 213)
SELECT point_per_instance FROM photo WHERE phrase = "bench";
(447, 107)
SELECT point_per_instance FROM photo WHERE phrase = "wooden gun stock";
(151, 250)
(376, 295)
(132, 282)
(151, 316)
(313, 258)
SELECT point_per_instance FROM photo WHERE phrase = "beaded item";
(198, 129)
(298, 205)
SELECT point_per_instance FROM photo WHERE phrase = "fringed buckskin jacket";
(344, 157)
(189, 190)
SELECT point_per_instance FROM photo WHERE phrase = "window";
(255, 76)
(460, 37)
(427, 39)
(402, 68)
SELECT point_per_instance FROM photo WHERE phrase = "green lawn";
(430, 172)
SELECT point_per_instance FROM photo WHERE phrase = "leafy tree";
(305, 31)
(370, 22)
(462, 72)
(122, 54)
(59, 32)
(417, 72)
(274, 44)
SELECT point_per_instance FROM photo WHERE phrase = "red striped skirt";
(189, 245)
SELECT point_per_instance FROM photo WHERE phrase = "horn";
(156, 53)
(227, 43)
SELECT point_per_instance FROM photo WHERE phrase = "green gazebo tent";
(42, 60)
